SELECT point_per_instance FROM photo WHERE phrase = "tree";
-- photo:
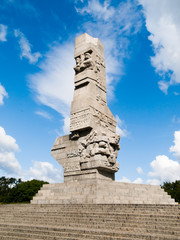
(172, 189)
(25, 191)
(6, 184)
(17, 191)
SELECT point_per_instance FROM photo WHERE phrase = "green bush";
(17, 191)
(172, 189)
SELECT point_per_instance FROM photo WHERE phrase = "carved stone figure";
(90, 151)
(83, 62)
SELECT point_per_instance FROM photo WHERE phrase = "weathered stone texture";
(93, 143)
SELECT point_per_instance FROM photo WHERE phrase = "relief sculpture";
(101, 145)
(84, 61)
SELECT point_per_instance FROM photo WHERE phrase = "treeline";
(14, 190)
(172, 189)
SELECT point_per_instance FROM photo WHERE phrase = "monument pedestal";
(94, 174)
(98, 191)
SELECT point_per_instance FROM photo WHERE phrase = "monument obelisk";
(88, 155)
(90, 151)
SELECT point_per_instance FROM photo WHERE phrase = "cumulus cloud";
(3, 94)
(176, 148)
(8, 147)
(164, 169)
(120, 128)
(45, 171)
(26, 48)
(126, 180)
(138, 181)
(163, 23)
(100, 11)
(3, 32)
(153, 181)
(10, 165)
(53, 84)
(139, 170)
(113, 26)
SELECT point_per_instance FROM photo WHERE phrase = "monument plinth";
(88, 155)
(90, 151)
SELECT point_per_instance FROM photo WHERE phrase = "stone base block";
(93, 174)
(93, 191)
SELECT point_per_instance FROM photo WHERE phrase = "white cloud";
(163, 22)
(3, 32)
(100, 11)
(26, 48)
(138, 181)
(53, 84)
(139, 170)
(3, 94)
(45, 171)
(126, 180)
(163, 85)
(164, 169)
(120, 129)
(8, 147)
(7, 143)
(113, 26)
(176, 148)
(10, 165)
(44, 114)
(66, 126)
(153, 181)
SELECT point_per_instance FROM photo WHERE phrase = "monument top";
(85, 41)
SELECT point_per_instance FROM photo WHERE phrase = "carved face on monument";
(83, 62)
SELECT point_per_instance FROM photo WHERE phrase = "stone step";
(23, 221)
(111, 207)
(91, 214)
(148, 226)
(166, 229)
(141, 219)
(62, 233)
(94, 213)
(95, 191)
(91, 219)
(103, 223)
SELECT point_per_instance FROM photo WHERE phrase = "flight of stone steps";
(95, 221)
(94, 191)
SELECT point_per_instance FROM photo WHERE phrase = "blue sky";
(141, 40)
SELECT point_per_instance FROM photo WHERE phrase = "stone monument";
(90, 151)
(88, 155)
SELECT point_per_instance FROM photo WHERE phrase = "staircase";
(93, 221)
(93, 191)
